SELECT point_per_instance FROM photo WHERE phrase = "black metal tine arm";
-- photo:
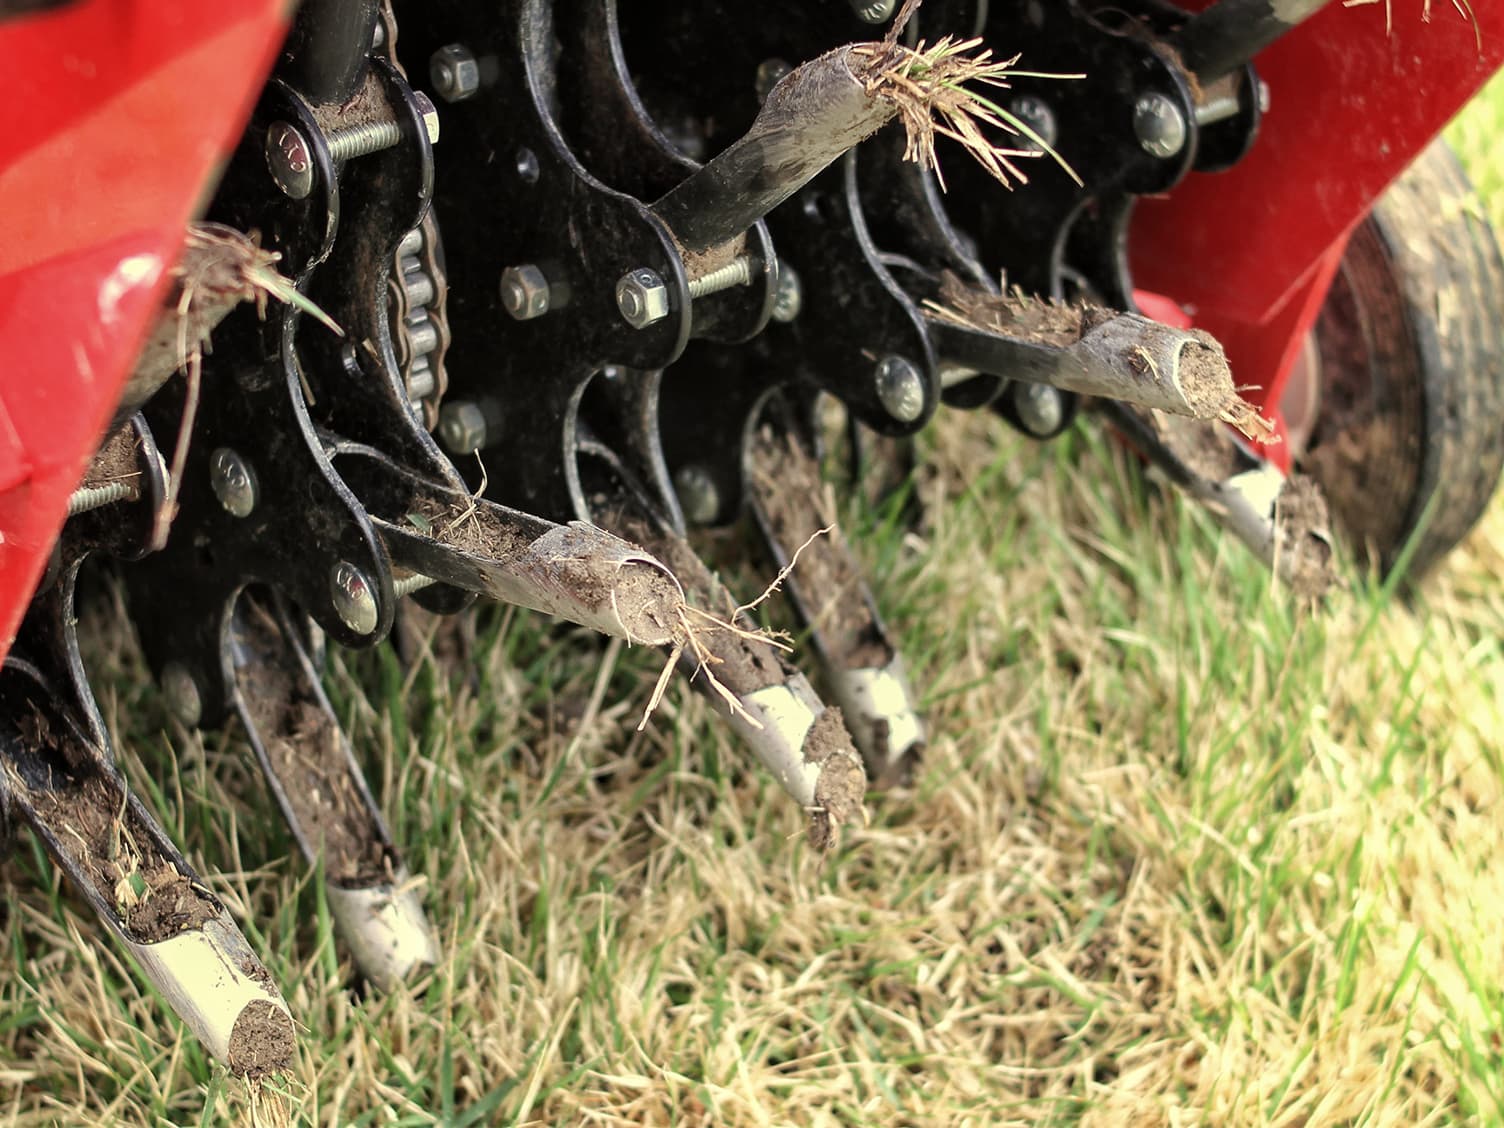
(576, 571)
(811, 117)
(1231, 32)
(1282, 520)
(802, 742)
(312, 772)
(1090, 351)
(65, 787)
(863, 669)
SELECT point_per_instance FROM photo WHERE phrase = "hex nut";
(462, 427)
(524, 292)
(642, 298)
(454, 72)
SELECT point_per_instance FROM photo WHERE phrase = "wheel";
(1399, 405)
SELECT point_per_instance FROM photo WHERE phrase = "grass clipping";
(219, 269)
(928, 87)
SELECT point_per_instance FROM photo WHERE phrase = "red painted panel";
(117, 117)
(1350, 107)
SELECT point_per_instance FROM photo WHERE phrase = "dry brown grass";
(1155, 869)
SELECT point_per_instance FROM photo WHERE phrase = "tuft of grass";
(928, 85)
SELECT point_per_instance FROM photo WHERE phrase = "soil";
(790, 497)
(477, 531)
(697, 264)
(1305, 539)
(262, 1041)
(1014, 314)
(1207, 385)
(746, 665)
(115, 461)
(842, 783)
(307, 754)
(86, 819)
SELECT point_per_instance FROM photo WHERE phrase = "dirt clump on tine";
(842, 784)
(744, 663)
(262, 1040)
(472, 530)
(308, 757)
(153, 899)
(1013, 313)
(791, 499)
(1302, 526)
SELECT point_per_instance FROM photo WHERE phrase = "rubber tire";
(1412, 370)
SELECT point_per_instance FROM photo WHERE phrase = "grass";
(1179, 853)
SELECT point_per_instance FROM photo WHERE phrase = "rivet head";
(1041, 409)
(900, 389)
(698, 496)
(289, 159)
(788, 296)
(182, 694)
(354, 597)
(234, 482)
(1159, 125)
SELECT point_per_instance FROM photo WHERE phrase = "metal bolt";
(1041, 408)
(788, 298)
(769, 73)
(900, 389)
(874, 11)
(409, 584)
(86, 498)
(182, 694)
(1159, 125)
(354, 598)
(698, 495)
(289, 159)
(524, 292)
(430, 114)
(737, 272)
(642, 298)
(234, 482)
(1263, 97)
(454, 72)
(1037, 115)
(462, 427)
(358, 140)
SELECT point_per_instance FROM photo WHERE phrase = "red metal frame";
(116, 118)
(118, 114)
(1250, 253)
